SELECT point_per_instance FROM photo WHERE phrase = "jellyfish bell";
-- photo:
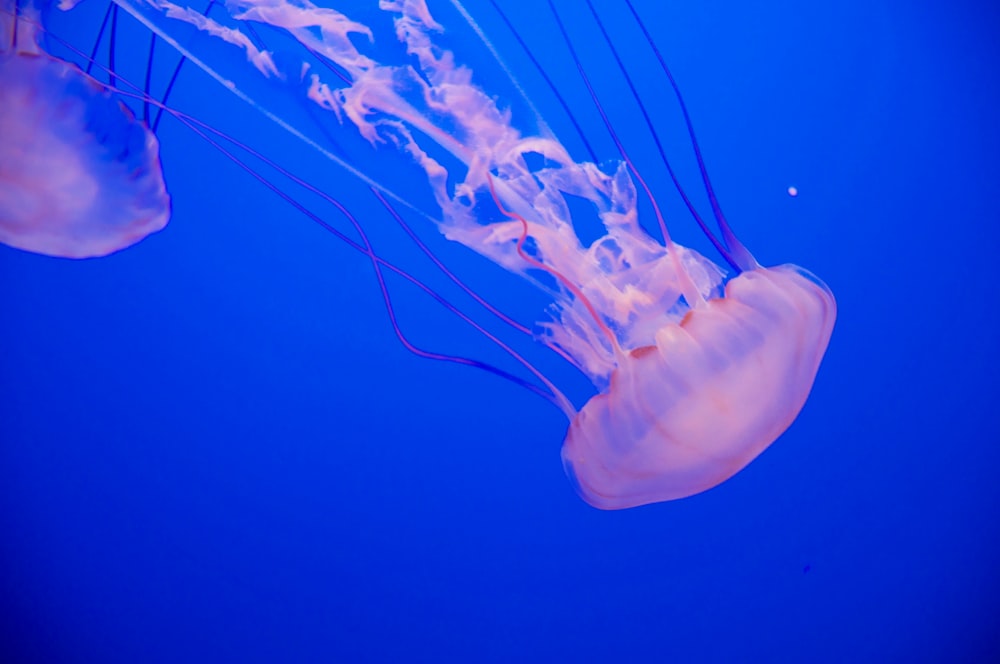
(716, 389)
(80, 177)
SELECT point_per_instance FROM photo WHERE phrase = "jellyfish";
(80, 177)
(695, 372)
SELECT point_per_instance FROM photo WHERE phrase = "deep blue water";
(213, 448)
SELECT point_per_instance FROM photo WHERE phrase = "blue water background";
(213, 448)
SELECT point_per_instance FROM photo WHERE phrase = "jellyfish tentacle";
(148, 79)
(25, 27)
(113, 37)
(719, 246)
(543, 126)
(742, 256)
(13, 26)
(566, 283)
(174, 76)
(548, 80)
(377, 263)
(444, 268)
(92, 58)
(691, 292)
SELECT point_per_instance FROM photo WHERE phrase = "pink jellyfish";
(79, 176)
(695, 375)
